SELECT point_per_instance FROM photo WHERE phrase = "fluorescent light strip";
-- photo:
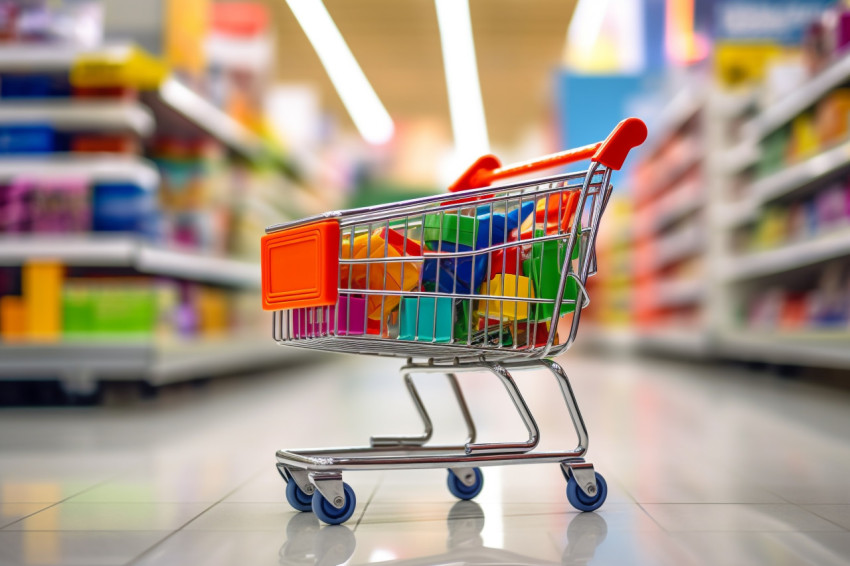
(363, 105)
(586, 24)
(467, 109)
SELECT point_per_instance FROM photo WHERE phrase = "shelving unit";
(795, 264)
(97, 167)
(175, 102)
(171, 110)
(671, 231)
(81, 115)
(81, 365)
(788, 257)
(131, 252)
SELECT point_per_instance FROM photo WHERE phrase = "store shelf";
(676, 246)
(794, 177)
(126, 251)
(96, 167)
(690, 342)
(740, 157)
(788, 257)
(82, 115)
(37, 57)
(731, 105)
(678, 293)
(815, 349)
(204, 116)
(684, 106)
(799, 99)
(81, 364)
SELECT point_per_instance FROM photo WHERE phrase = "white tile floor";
(705, 465)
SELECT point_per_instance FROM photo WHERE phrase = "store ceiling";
(518, 45)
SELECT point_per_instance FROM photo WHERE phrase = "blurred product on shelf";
(60, 303)
(823, 307)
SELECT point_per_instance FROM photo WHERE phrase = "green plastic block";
(427, 328)
(546, 274)
(466, 236)
(462, 320)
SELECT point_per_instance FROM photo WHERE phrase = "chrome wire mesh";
(480, 304)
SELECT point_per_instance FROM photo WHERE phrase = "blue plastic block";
(428, 329)
(471, 271)
(501, 224)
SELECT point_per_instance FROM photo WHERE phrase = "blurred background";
(145, 146)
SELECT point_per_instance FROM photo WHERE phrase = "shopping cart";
(475, 280)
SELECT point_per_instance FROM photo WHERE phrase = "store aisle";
(705, 465)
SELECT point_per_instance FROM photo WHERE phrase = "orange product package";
(377, 275)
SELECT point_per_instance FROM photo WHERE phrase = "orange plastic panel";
(300, 266)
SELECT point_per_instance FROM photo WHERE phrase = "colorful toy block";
(507, 286)
(434, 322)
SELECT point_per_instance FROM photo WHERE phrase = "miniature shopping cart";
(478, 279)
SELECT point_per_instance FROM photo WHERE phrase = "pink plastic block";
(313, 322)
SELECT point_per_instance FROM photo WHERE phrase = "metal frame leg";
(410, 441)
(525, 414)
(570, 400)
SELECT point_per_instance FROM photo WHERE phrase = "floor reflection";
(309, 543)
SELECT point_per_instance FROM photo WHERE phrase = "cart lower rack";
(485, 278)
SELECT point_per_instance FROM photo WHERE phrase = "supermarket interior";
(215, 213)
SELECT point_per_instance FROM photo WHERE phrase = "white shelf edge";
(776, 348)
(678, 293)
(682, 341)
(740, 157)
(210, 118)
(681, 108)
(126, 251)
(788, 257)
(800, 174)
(802, 97)
(85, 115)
(142, 359)
(31, 57)
(97, 167)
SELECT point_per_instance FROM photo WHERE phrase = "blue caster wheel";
(463, 491)
(299, 500)
(330, 514)
(583, 502)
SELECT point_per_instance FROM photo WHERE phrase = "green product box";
(546, 276)
(77, 312)
(466, 235)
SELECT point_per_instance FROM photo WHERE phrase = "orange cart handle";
(611, 153)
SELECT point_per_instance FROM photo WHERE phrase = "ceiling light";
(363, 105)
(467, 110)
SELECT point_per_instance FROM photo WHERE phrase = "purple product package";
(350, 319)
(47, 205)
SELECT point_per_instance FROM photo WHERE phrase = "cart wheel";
(330, 514)
(583, 502)
(299, 500)
(463, 491)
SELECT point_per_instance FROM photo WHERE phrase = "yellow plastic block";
(13, 319)
(42, 291)
(507, 286)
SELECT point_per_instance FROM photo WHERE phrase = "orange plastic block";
(399, 276)
(547, 215)
(300, 266)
